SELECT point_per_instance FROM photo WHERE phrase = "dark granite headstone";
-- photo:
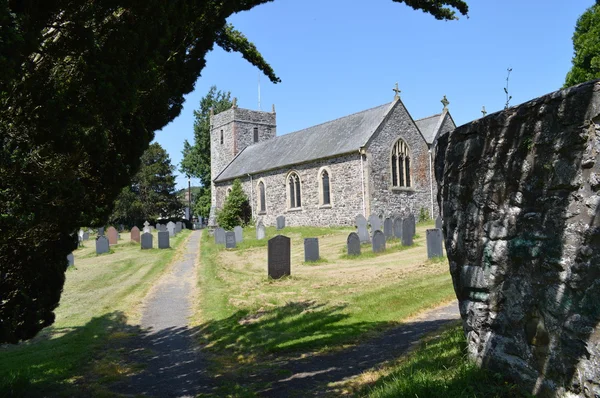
(388, 230)
(135, 234)
(260, 231)
(353, 243)
(434, 243)
(413, 224)
(407, 232)
(375, 222)
(279, 260)
(219, 236)
(71, 259)
(163, 240)
(438, 222)
(362, 231)
(147, 239)
(230, 240)
(239, 234)
(112, 235)
(101, 245)
(280, 222)
(378, 241)
(101, 231)
(311, 249)
(398, 227)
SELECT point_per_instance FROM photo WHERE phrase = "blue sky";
(337, 57)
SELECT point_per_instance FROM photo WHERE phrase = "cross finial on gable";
(445, 102)
(234, 103)
(483, 111)
(397, 91)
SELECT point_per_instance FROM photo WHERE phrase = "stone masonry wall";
(520, 195)
(385, 199)
(346, 193)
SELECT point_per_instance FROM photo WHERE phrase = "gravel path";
(174, 366)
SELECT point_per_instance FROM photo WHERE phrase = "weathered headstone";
(135, 234)
(388, 230)
(101, 231)
(171, 228)
(407, 232)
(279, 251)
(71, 259)
(112, 235)
(146, 224)
(230, 240)
(434, 243)
(280, 222)
(158, 226)
(147, 239)
(362, 231)
(311, 249)
(86, 236)
(101, 245)
(178, 227)
(438, 222)
(375, 222)
(353, 243)
(398, 227)
(239, 234)
(378, 241)
(219, 236)
(147, 230)
(412, 223)
(163, 240)
(260, 231)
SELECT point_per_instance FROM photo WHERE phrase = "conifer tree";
(236, 209)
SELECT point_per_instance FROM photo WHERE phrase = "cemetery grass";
(98, 308)
(245, 318)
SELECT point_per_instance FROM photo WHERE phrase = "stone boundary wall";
(519, 192)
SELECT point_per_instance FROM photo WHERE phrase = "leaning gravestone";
(434, 243)
(163, 240)
(219, 236)
(311, 249)
(438, 222)
(407, 232)
(230, 240)
(101, 231)
(113, 236)
(398, 227)
(353, 243)
(362, 232)
(280, 222)
(101, 245)
(375, 222)
(135, 234)
(147, 240)
(239, 234)
(388, 228)
(279, 251)
(71, 259)
(378, 241)
(260, 231)
(171, 229)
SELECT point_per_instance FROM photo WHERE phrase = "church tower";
(230, 132)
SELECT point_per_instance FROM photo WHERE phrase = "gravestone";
(101, 231)
(311, 249)
(101, 245)
(438, 222)
(158, 226)
(86, 236)
(178, 227)
(279, 251)
(362, 232)
(147, 230)
(375, 222)
(71, 259)
(163, 240)
(398, 227)
(171, 228)
(407, 232)
(147, 240)
(378, 241)
(121, 227)
(413, 224)
(113, 236)
(219, 236)
(146, 224)
(260, 231)
(135, 234)
(230, 240)
(280, 222)
(434, 243)
(353, 244)
(388, 230)
(239, 234)
(80, 233)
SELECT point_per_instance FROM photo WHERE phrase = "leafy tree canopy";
(83, 86)
(586, 44)
(236, 209)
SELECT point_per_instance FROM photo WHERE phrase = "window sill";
(295, 209)
(402, 189)
(325, 207)
(262, 213)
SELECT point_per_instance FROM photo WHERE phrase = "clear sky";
(337, 57)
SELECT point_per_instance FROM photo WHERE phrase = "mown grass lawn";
(98, 306)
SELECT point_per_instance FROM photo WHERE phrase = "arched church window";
(228, 192)
(294, 195)
(400, 165)
(325, 186)
(255, 134)
(262, 205)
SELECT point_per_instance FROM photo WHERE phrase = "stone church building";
(375, 161)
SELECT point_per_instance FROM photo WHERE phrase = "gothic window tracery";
(400, 164)
(294, 193)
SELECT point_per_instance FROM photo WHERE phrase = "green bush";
(236, 210)
(424, 215)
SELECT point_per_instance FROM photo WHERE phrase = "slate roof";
(429, 127)
(344, 135)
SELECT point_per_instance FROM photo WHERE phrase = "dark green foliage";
(586, 45)
(151, 194)
(83, 87)
(236, 210)
(202, 203)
